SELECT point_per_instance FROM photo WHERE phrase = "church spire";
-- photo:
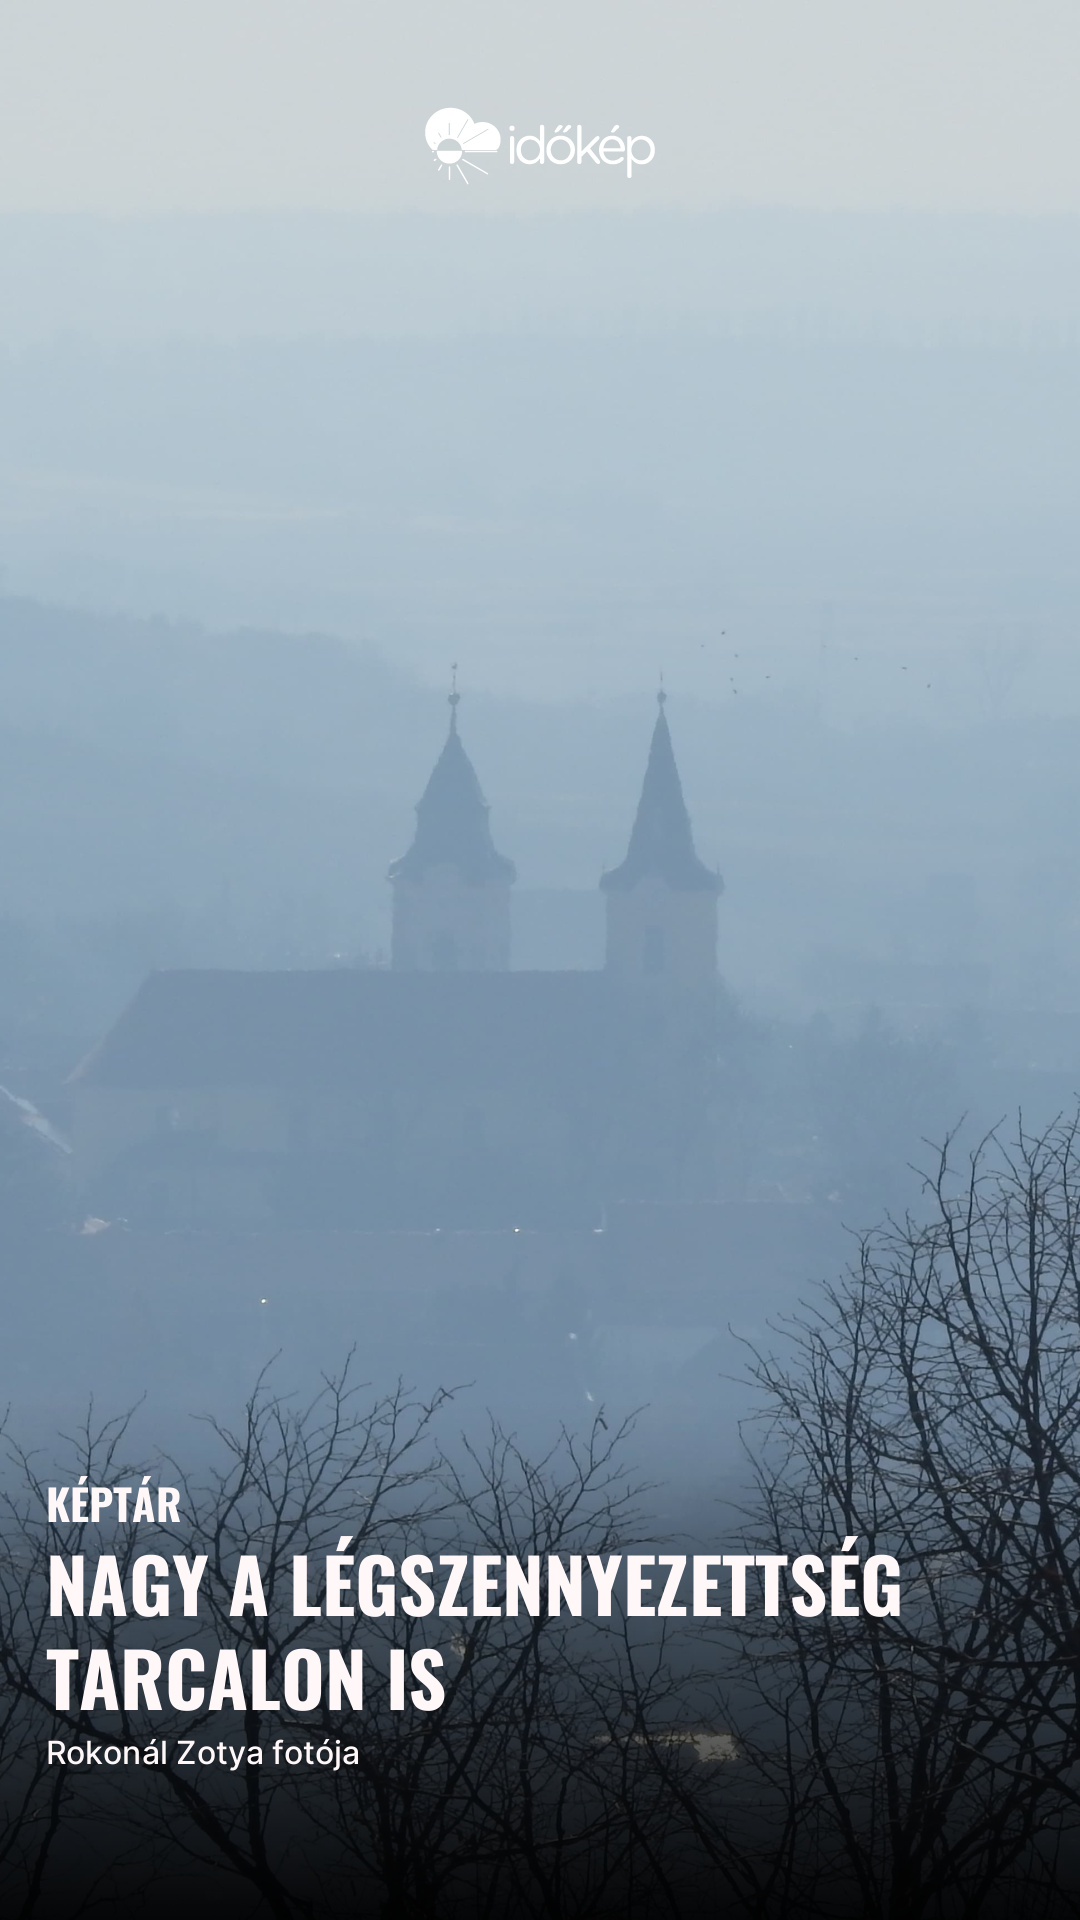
(452, 825)
(661, 840)
(452, 888)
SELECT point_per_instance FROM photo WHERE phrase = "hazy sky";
(848, 175)
(119, 106)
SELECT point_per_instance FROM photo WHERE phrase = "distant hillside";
(173, 796)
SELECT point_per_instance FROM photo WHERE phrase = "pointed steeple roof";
(662, 840)
(452, 827)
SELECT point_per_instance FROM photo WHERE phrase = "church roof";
(662, 840)
(360, 1028)
(452, 828)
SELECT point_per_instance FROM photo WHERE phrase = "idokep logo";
(454, 136)
(568, 144)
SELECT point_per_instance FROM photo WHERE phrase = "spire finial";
(661, 696)
(453, 697)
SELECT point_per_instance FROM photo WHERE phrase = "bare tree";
(528, 1791)
(926, 1763)
(289, 1479)
(42, 1811)
(531, 1789)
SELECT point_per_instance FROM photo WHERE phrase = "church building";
(445, 1090)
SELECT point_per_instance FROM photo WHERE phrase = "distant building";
(447, 1090)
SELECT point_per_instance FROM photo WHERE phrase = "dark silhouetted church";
(446, 1089)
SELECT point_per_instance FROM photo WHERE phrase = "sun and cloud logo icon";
(454, 137)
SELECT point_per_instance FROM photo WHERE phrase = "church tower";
(662, 900)
(452, 889)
